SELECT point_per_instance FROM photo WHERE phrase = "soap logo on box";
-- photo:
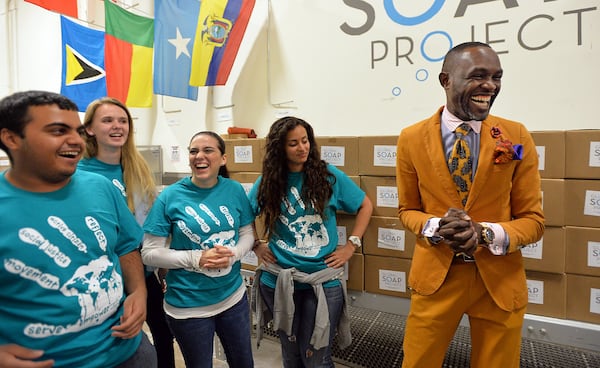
(242, 154)
(384, 156)
(392, 280)
(533, 250)
(595, 154)
(387, 196)
(334, 155)
(535, 291)
(592, 203)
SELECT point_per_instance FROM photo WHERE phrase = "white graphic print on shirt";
(97, 286)
(309, 230)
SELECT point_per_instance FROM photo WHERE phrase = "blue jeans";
(144, 356)
(195, 337)
(296, 350)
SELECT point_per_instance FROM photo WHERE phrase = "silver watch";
(355, 240)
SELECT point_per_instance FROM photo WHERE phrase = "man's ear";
(10, 138)
(443, 78)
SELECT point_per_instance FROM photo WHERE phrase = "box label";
(250, 259)
(593, 259)
(595, 300)
(535, 289)
(387, 197)
(595, 154)
(392, 280)
(342, 238)
(592, 203)
(242, 154)
(534, 250)
(335, 155)
(541, 152)
(384, 156)
(390, 239)
(247, 187)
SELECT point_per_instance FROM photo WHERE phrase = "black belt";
(461, 258)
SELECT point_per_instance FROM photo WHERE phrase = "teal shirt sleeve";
(347, 196)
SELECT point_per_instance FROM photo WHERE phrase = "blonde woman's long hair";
(138, 178)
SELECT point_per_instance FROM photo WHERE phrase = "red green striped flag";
(128, 51)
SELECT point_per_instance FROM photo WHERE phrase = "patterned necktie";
(460, 163)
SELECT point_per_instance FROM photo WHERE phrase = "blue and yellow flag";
(175, 24)
(83, 74)
(221, 27)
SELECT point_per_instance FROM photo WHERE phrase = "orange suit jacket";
(508, 194)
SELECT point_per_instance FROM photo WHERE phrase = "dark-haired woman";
(209, 220)
(301, 283)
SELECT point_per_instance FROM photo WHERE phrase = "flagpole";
(11, 39)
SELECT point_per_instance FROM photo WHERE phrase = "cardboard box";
(345, 224)
(377, 155)
(383, 192)
(583, 154)
(247, 179)
(547, 294)
(583, 298)
(385, 236)
(341, 152)
(245, 155)
(354, 272)
(553, 201)
(550, 146)
(582, 203)
(583, 250)
(249, 261)
(387, 275)
(548, 254)
(4, 161)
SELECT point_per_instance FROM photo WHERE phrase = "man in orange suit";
(467, 259)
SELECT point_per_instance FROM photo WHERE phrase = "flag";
(66, 7)
(83, 74)
(128, 56)
(221, 27)
(174, 30)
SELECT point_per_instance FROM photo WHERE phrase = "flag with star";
(174, 30)
(83, 74)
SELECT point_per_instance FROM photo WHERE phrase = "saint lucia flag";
(128, 56)
(83, 74)
(174, 29)
(221, 27)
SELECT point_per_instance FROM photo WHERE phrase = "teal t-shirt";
(199, 218)
(62, 285)
(302, 238)
(112, 172)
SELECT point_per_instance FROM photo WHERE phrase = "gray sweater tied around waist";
(283, 307)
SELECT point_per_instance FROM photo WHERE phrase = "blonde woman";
(110, 151)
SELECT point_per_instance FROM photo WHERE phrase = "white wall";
(303, 63)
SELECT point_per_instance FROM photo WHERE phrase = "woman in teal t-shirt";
(209, 220)
(298, 195)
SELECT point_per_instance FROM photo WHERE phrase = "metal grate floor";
(377, 343)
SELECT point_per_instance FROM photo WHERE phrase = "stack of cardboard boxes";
(563, 268)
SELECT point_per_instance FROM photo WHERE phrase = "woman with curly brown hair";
(301, 277)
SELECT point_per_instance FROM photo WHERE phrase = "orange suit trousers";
(433, 320)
